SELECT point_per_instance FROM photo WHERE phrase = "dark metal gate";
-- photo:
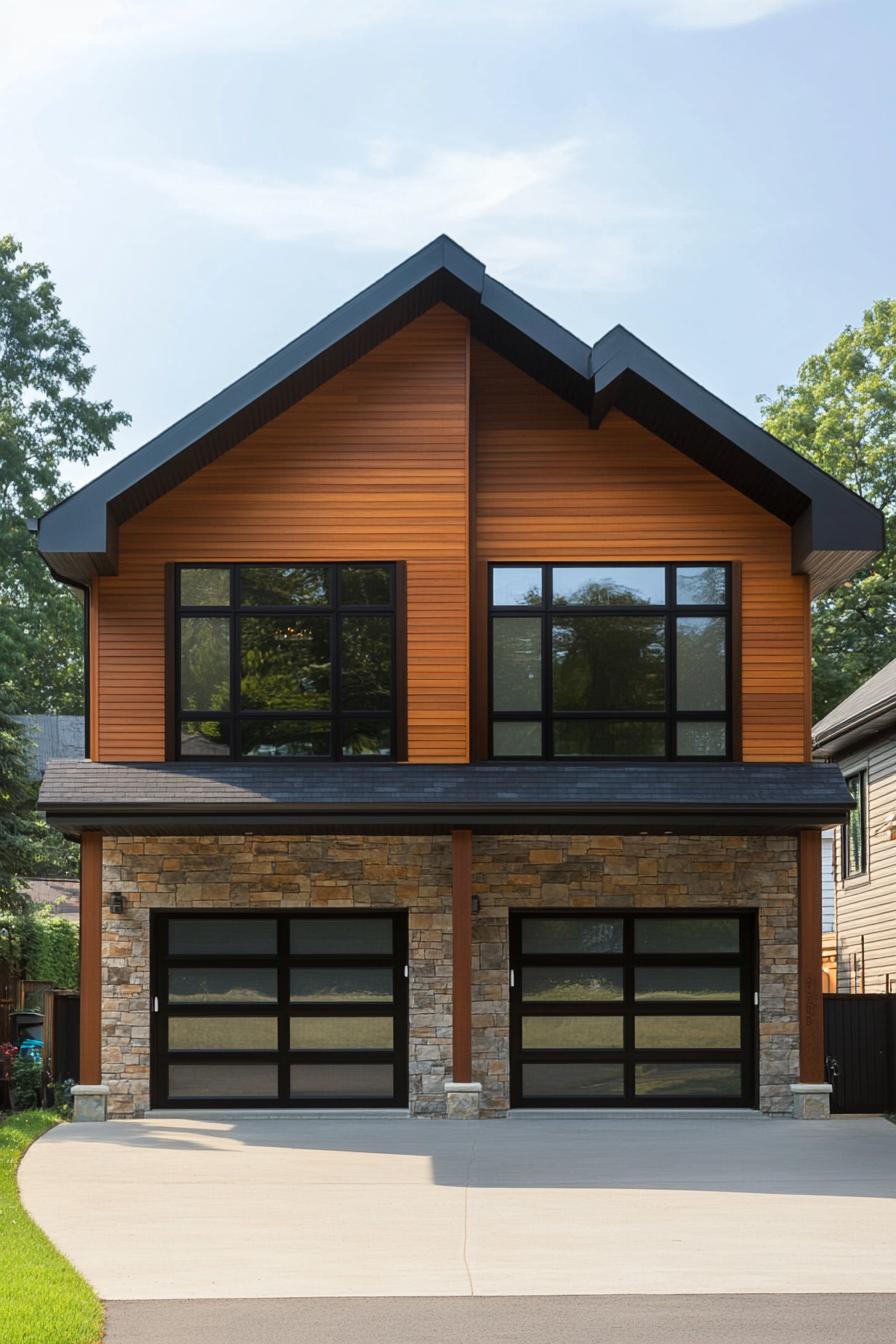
(860, 1051)
(66, 1036)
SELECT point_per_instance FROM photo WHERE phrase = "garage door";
(287, 1009)
(632, 1010)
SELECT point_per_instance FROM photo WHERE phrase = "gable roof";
(869, 710)
(834, 531)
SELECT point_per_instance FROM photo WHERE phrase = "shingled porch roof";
(210, 797)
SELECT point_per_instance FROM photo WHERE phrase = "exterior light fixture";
(116, 903)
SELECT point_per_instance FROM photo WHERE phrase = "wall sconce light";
(475, 905)
(116, 903)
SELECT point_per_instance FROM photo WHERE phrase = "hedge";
(41, 947)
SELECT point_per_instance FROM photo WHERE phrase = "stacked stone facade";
(414, 873)
(646, 872)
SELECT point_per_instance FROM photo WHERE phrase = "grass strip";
(43, 1300)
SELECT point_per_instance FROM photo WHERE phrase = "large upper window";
(285, 660)
(602, 661)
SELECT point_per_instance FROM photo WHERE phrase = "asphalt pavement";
(703, 1319)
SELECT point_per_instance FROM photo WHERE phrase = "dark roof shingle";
(309, 794)
(869, 709)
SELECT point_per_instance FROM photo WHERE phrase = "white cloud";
(714, 13)
(533, 212)
(51, 34)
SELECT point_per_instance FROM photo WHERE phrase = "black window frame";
(283, 1009)
(629, 1008)
(670, 611)
(860, 812)
(334, 610)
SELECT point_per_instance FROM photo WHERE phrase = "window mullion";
(335, 677)
(547, 663)
(235, 680)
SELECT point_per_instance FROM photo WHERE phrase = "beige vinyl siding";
(866, 904)
(828, 892)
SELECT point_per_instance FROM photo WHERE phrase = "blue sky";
(206, 178)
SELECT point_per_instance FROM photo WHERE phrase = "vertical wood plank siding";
(91, 939)
(548, 488)
(373, 466)
(809, 957)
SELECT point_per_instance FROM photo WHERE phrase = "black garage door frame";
(283, 961)
(626, 961)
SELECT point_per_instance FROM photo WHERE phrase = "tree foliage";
(20, 828)
(41, 946)
(841, 413)
(46, 420)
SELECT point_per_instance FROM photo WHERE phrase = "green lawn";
(42, 1299)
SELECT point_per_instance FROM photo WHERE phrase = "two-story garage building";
(449, 728)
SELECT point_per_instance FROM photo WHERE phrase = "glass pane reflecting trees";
(609, 661)
(293, 661)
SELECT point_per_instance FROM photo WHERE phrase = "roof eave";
(850, 732)
(835, 533)
(400, 819)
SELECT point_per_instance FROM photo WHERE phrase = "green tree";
(841, 413)
(46, 420)
(20, 828)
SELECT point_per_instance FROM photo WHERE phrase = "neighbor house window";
(855, 854)
(277, 661)
(610, 661)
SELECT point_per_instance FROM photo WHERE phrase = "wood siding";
(866, 903)
(372, 466)
(549, 488)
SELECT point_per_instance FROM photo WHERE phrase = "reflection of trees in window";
(632, 660)
(205, 662)
(301, 665)
(285, 662)
(609, 662)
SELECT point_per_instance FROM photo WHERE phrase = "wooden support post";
(810, 995)
(462, 955)
(91, 955)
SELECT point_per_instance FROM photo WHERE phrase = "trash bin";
(27, 1026)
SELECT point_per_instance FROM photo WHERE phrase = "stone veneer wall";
(269, 873)
(411, 872)
(638, 872)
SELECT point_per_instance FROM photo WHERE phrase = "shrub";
(41, 947)
(26, 1075)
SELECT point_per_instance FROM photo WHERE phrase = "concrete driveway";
(333, 1207)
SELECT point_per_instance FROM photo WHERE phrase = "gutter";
(861, 724)
(187, 819)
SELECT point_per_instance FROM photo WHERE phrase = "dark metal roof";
(868, 711)
(834, 531)
(220, 796)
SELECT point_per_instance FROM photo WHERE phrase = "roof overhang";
(834, 531)
(872, 721)
(189, 799)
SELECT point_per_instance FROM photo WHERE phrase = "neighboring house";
(828, 914)
(449, 728)
(860, 736)
(57, 895)
(53, 736)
